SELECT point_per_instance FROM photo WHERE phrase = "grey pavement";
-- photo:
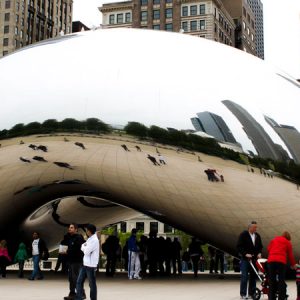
(205, 287)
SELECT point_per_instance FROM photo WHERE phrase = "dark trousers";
(179, 266)
(111, 265)
(211, 264)
(21, 268)
(298, 289)
(276, 273)
(3, 264)
(219, 259)
(195, 259)
(74, 269)
(90, 273)
(247, 273)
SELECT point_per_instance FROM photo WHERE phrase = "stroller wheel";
(257, 294)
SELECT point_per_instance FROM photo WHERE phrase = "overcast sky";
(281, 24)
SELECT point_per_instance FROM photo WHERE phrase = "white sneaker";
(138, 277)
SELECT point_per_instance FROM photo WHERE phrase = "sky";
(281, 29)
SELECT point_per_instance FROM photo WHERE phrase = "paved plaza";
(205, 287)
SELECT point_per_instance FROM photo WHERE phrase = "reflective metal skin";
(121, 75)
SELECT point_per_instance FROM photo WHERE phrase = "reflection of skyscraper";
(255, 132)
(213, 125)
(290, 136)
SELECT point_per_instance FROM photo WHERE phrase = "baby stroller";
(261, 265)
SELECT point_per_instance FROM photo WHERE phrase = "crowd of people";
(152, 256)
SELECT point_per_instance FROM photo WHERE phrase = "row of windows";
(156, 14)
(194, 25)
(224, 24)
(6, 30)
(140, 226)
(145, 2)
(120, 18)
(246, 28)
(193, 10)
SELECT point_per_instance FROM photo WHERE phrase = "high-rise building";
(24, 22)
(213, 125)
(257, 8)
(289, 135)
(261, 141)
(244, 19)
(208, 19)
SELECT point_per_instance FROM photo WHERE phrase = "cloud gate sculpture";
(155, 78)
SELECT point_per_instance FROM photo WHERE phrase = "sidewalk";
(185, 287)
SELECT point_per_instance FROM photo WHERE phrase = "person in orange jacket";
(279, 249)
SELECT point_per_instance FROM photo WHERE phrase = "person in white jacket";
(90, 250)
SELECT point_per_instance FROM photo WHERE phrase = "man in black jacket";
(249, 247)
(74, 257)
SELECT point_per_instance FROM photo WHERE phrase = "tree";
(158, 133)
(95, 124)
(50, 124)
(70, 124)
(16, 130)
(136, 129)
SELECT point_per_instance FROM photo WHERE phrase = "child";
(298, 279)
(4, 257)
(20, 258)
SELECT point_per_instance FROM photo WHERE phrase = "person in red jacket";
(279, 249)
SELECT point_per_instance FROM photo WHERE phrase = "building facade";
(261, 141)
(289, 135)
(207, 19)
(213, 125)
(24, 22)
(257, 8)
(244, 20)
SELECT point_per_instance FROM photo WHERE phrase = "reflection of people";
(249, 246)
(134, 265)
(279, 249)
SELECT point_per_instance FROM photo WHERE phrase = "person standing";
(20, 258)
(249, 247)
(39, 250)
(279, 249)
(195, 252)
(90, 249)
(73, 241)
(134, 265)
(4, 257)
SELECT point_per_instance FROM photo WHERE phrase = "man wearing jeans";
(90, 250)
(249, 247)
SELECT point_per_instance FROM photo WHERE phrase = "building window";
(156, 27)
(169, 1)
(128, 17)
(17, 6)
(16, 30)
(168, 228)
(193, 10)
(111, 19)
(156, 14)
(6, 29)
(119, 18)
(144, 16)
(140, 226)
(202, 9)
(7, 17)
(169, 27)
(184, 26)
(21, 34)
(154, 225)
(193, 25)
(144, 2)
(5, 42)
(17, 18)
(202, 24)
(169, 13)
(123, 226)
(184, 11)
(155, 2)
(7, 4)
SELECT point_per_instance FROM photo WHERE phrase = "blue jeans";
(36, 267)
(247, 273)
(90, 273)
